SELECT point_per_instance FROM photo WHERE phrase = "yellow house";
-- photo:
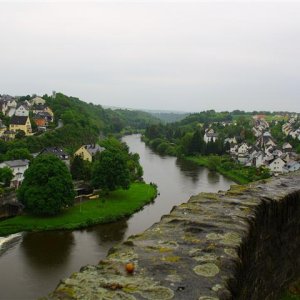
(20, 123)
(88, 151)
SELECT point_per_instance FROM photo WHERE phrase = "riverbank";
(222, 164)
(234, 171)
(117, 205)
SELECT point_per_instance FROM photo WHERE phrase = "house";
(287, 147)
(231, 141)
(210, 136)
(43, 109)
(291, 166)
(286, 128)
(3, 107)
(3, 128)
(9, 135)
(256, 132)
(277, 153)
(42, 118)
(58, 152)
(12, 103)
(265, 140)
(37, 101)
(20, 123)
(276, 165)
(88, 151)
(22, 110)
(18, 168)
(243, 149)
(256, 159)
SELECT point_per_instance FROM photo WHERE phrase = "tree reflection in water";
(46, 249)
(111, 232)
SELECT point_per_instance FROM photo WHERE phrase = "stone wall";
(240, 244)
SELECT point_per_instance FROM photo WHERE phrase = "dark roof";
(93, 149)
(19, 120)
(55, 151)
(17, 163)
(211, 134)
(42, 115)
(24, 105)
(39, 107)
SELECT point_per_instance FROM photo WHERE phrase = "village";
(265, 151)
(28, 118)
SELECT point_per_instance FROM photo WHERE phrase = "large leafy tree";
(47, 187)
(80, 169)
(6, 175)
(111, 171)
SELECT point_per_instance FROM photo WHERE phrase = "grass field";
(117, 205)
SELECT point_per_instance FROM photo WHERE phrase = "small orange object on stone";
(129, 267)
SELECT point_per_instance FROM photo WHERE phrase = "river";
(31, 266)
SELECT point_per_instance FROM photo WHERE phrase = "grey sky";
(183, 55)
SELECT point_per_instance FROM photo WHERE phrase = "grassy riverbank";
(232, 170)
(115, 206)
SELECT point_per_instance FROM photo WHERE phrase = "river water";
(31, 266)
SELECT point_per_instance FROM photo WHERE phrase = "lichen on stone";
(206, 258)
(171, 259)
(157, 292)
(207, 270)
(230, 252)
(231, 238)
(214, 236)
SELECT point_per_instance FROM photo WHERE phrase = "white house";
(22, 110)
(276, 166)
(256, 159)
(230, 140)
(291, 166)
(287, 147)
(18, 168)
(243, 149)
(210, 136)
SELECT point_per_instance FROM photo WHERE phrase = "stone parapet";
(240, 244)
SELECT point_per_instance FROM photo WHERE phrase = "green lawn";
(119, 204)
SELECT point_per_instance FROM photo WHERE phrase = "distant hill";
(166, 117)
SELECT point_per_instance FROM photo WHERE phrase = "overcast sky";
(170, 55)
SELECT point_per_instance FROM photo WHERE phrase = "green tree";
(80, 169)
(20, 134)
(47, 187)
(110, 171)
(213, 163)
(18, 153)
(6, 175)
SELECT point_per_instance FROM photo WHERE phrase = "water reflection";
(189, 168)
(44, 250)
(111, 232)
(213, 177)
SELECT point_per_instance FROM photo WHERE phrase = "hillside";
(83, 123)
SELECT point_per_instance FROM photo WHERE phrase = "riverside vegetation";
(185, 139)
(112, 207)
